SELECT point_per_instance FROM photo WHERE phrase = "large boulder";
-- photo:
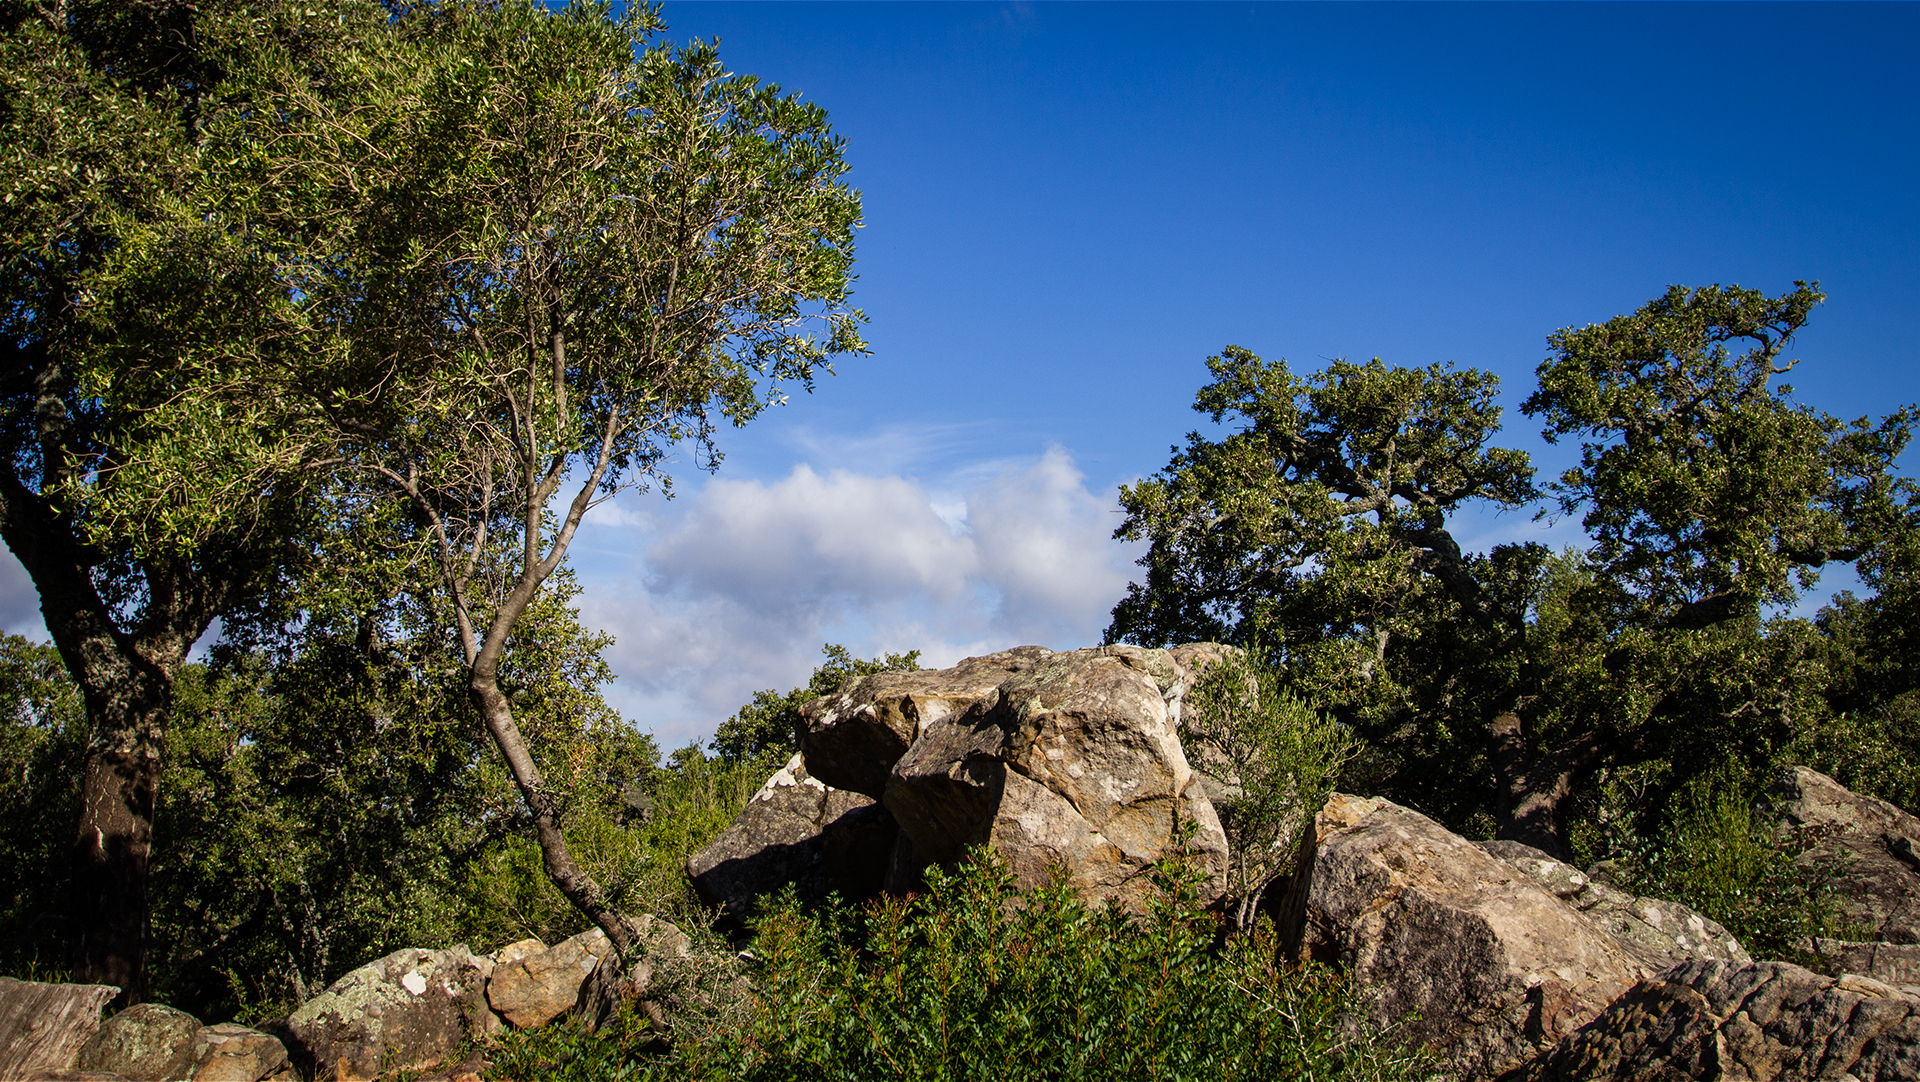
(1867, 849)
(1073, 763)
(538, 986)
(800, 831)
(147, 1042)
(43, 1025)
(1660, 933)
(851, 739)
(1758, 1022)
(1462, 951)
(405, 1012)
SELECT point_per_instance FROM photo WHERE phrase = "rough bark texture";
(43, 1026)
(1536, 784)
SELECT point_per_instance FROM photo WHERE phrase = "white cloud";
(735, 587)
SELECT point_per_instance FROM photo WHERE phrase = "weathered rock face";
(1897, 964)
(1869, 848)
(796, 830)
(1072, 762)
(1659, 933)
(233, 1053)
(539, 986)
(1466, 953)
(146, 1042)
(405, 1012)
(43, 1025)
(853, 738)
(1757, 1022)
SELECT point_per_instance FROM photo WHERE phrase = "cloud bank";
(736, 587)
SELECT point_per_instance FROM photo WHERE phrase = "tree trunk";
(127, 685)
(572, 880)
(1536, 786)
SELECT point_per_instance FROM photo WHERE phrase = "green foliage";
(1277, 759)
(640, 854)
(974, 976)
(770, 724)
(1713, 850)
(43, 738)
(1494, 689)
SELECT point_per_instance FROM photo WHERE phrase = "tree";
(1276, 759)
(552, 255)
(104, 114)
(1510, 678)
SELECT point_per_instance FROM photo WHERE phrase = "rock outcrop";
(853, 737)
(796, 830)
(536, 987)
(228, 1052)
(147, 1042)
(1758, 1022)
(1866, 849)
(1073, 762)
(405, 1012)
(1897, 964)
(1462, 951)
(1660, 933)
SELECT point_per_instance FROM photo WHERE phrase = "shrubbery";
(973, 979)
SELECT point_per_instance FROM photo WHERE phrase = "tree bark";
(1535, 786)
(126, 682)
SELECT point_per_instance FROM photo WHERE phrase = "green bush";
(1716, 855)
(973, 979)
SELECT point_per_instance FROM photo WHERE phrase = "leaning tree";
(555, 256)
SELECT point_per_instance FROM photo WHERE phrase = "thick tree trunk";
(127, 685)
(114, 841)
(1535, 786)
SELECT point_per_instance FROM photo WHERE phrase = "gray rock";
(405, 1012)
(1758, 1022)
(1073, 763)
(796, 830)
(538, 987)
(1464, 952)
(1863, 847)
(228, 1052)
(147, 1042)
(1897, 964)
(1660, 933)
(851, 739)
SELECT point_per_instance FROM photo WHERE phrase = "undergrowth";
(975, 979)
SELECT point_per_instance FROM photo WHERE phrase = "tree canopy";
(1501, 687)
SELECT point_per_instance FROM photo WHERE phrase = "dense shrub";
(1714, 851)
(973, 979)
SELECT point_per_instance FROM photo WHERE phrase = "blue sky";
(1069, 206)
